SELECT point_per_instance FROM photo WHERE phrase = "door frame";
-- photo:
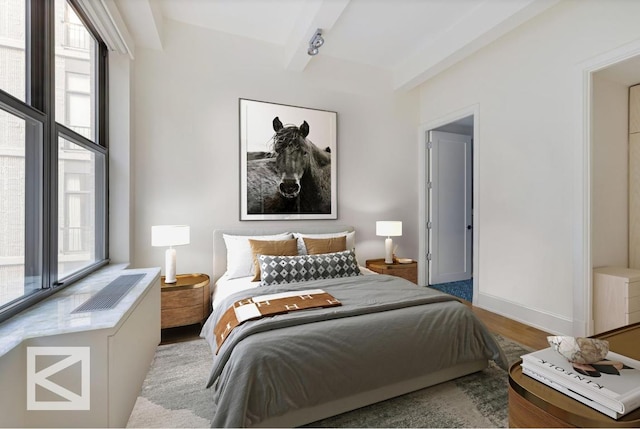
(423, 203)
(443, 145)
(583, 153)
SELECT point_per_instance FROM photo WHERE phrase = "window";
(75, 72)
(53, 151)
(78, 102)
(12, 47)
(80, 178)
(20, 206)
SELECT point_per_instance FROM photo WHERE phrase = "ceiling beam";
(486, 23)
(145, 22)
(316, 14)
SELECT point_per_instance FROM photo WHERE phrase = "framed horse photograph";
(287, 162)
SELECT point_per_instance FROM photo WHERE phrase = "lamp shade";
(389, 228)
(170, 235)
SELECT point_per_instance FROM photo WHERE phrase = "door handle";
(468, 226)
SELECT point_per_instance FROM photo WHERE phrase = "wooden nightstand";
(406, 271)
(185, 302)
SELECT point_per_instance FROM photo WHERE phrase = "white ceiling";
(412, 39)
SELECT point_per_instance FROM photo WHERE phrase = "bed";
(386, 338)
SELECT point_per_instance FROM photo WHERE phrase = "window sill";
(52, 316)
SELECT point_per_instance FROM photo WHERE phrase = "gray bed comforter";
(387, 330)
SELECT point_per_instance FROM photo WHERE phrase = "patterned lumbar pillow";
(294, 269)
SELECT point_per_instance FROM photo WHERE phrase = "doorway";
(448, 233)
(613, 184)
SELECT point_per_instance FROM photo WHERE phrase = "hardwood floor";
(516, 331)
(509, 328)
(180, 333)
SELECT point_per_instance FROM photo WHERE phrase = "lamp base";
(170, 265)
(388, 248)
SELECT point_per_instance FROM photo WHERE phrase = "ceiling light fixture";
(316, 41)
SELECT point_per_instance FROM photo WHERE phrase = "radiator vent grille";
(110, 295)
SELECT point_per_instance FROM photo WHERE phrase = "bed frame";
(311, 414)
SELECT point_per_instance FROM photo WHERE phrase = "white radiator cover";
(120, 356)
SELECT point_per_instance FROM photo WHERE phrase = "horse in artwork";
(295, 178)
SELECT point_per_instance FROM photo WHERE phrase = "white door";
(450, 217)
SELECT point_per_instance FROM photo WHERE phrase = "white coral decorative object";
(580, 349)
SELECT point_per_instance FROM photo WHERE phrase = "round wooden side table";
(185, 302)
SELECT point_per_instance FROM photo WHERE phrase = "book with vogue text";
(613, 382)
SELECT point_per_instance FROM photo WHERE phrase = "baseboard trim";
(536, 318)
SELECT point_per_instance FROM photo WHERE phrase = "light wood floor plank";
(509, 328)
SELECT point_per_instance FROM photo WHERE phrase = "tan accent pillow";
(271, 248)
(318, 246)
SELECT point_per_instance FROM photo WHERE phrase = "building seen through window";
(81, 178)
(13, 284)
(75, 98)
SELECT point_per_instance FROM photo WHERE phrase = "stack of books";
(611, 387)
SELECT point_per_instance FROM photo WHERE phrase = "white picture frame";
(288, 162)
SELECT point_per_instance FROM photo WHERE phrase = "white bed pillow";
(302, 250)
(239, 254)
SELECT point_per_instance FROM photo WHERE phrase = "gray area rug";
(173, 395)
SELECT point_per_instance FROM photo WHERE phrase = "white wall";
(527, 85)
(610, 180)
(120, 158)
(186, 143)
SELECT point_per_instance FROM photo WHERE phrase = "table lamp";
(169, 235)
(388, 228)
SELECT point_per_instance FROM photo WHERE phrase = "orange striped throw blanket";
(270, 305)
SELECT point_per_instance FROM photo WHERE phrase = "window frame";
(39, 106)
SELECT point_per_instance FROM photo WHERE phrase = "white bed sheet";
(225, 286)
